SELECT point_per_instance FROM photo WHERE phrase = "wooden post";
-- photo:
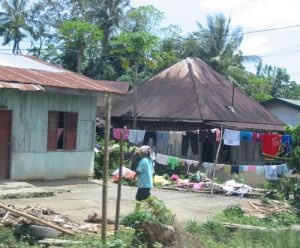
(215, 164)
(105, 168)
(120, 182)
(135, 96)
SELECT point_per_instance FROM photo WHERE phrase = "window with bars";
(62, 130)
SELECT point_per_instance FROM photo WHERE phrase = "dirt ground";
(82, 197)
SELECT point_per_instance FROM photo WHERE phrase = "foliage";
(238, 178)
(213, 235)
(77, 35)
(258, 88)
(7, 239)
(14, 22)
(219, 43)
(234, 214)
(114, 156)
(281, 84)
(284, 189)
(145, 18)
(122, 239)
(110, 39)
(149, 210)
(294, 162)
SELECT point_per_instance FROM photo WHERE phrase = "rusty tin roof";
(190, 91)
(27, 70)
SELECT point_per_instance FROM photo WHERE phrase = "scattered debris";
(228, 188)
(94, 218)
(41, 222)
(261, 210)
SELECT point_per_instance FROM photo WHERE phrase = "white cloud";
(256, 45)
(255, 14)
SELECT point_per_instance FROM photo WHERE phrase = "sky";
(280, 48)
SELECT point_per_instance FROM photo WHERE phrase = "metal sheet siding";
(30, 124)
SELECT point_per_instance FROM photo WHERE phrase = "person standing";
(144, 174)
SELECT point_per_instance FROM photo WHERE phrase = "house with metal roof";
(47, 119)
(190, 95)
(287, 110)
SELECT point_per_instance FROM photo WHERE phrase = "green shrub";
(149, 210)
(114, 157)
(233, 210)
(281, 219)
(213, 235)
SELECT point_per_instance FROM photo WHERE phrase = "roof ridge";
(197, 90)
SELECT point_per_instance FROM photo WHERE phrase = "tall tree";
(281, 84)
(218, 44)
(135, 46)
(108, 14)
(77, 36)
(14, 22)
(49, 15)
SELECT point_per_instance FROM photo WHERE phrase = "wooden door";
(5, 131)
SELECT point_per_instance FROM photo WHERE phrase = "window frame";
(70, 130)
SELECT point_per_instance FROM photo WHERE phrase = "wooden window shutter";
(52, 130)
(71, 131)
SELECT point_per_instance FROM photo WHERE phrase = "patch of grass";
(8, 239)
(213, 235)
(234, 214)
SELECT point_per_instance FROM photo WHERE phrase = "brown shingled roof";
(191, 91)
(55, 77)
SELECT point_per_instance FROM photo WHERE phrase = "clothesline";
(272, 171)
(272, 144)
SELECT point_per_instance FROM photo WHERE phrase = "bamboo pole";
(120, 182)
(105, 168)
(34, 218)
(215, 164)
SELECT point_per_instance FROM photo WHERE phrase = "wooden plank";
(31, 217)
(59, 242)
(252, 228)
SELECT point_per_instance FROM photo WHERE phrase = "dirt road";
(84, 197)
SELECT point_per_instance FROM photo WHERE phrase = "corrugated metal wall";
(30, 124)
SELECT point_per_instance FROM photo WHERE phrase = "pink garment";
(218, 133)
(117, 133)
(198, 186)
(59, 133)
(251, 168)
(256, 137)
(174, 177)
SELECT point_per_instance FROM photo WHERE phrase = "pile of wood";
(45, 222)
(261, 210)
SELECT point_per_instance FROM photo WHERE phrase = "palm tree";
(219, 44)
(108, 13)
(14, 22)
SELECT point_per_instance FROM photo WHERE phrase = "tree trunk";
(79, 57)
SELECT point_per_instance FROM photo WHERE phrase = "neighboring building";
(286, 110)
(190, 95)
(47, 119)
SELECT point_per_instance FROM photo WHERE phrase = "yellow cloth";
(227, 168)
